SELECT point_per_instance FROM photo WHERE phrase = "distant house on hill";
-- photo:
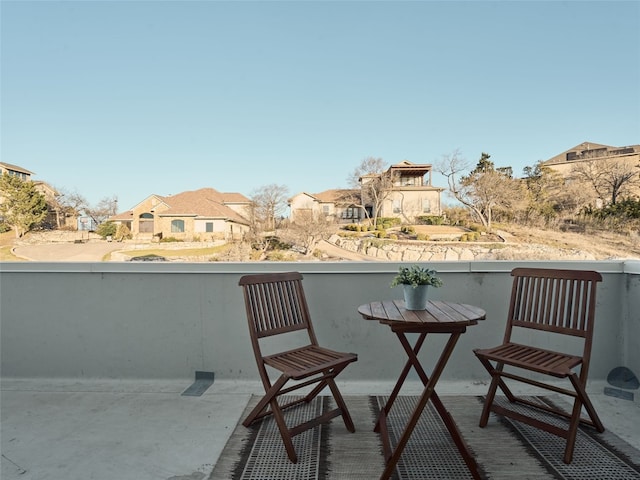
(10, 169)
(204, 214)
(588, 152)
(612, 167)
(57, 217)
(408, 195)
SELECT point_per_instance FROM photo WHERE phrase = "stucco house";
(341, 205)
(56, 216)
(408, 194)
(10, 169)
(610, 163)
(203, 215)
(411, 195)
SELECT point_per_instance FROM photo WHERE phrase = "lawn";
(185, 252)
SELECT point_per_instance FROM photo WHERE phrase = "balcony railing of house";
(135, 320)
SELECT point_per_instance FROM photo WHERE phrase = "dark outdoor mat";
(330, 452)
(430, 452)
(596, 455)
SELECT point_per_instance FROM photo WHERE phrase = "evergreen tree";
(21, 206)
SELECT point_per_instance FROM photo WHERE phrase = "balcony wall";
(168, 320)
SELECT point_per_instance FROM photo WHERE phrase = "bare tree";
(308, 230)
(269, 203)
(610, 179)
(482, 190)
(544, 186)
(375, 184)
(104, 209)
(67, 204)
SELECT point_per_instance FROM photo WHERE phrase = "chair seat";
(309, 360)
(536, 359)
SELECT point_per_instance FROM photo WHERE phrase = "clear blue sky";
(132, 98)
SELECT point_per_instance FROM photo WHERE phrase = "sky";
(134, 98)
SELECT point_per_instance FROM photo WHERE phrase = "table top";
(438, 316)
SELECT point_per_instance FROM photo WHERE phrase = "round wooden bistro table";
(439, 317)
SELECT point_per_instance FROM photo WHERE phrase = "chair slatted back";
(276, 304)
(560, 301)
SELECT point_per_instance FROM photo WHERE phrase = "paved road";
(95, 250)
(92, 251)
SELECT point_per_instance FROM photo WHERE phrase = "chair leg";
(284, 431)
(572, 431)
(346, 416)
(496, 381)
(316, 390)
(586, 401)
(264, 402)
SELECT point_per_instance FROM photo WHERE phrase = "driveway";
(92, 251)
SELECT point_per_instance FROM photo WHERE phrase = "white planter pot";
(415, 298)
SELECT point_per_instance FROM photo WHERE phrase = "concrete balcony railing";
(166, 321)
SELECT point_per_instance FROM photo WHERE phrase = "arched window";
(146, 223)
(177, 226)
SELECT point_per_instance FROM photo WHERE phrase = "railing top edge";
(495, 266)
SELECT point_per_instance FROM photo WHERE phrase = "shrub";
(422, 236)
(279, 256)
(388, 221)
(123, 232)
(352, 227)
(474, 227)
(106, 229)
(430, 219)
(170, 240)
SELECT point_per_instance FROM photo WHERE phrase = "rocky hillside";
(512, 243)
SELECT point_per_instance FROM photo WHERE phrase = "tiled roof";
(336, 195)
(9, 166)
(206, 202)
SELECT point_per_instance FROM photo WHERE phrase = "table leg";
(403, 374)
(428, 394)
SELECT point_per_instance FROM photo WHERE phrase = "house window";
(352, 213)
(426, 206)
(325, 210)
(145, 225)
(177, 226)
(209, 227)
(397, 206)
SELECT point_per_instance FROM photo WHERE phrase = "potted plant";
(415, 281)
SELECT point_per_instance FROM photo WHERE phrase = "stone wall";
(410, 251)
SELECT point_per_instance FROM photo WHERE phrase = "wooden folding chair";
(276, 305)
(561, 302)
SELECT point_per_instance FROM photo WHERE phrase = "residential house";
(341, 205)
(627, 158)
(56, 217)
(204, 215)
(9, 169)
(407, 192)
(409, 195)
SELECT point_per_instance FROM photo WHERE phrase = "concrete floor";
(139, 430)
